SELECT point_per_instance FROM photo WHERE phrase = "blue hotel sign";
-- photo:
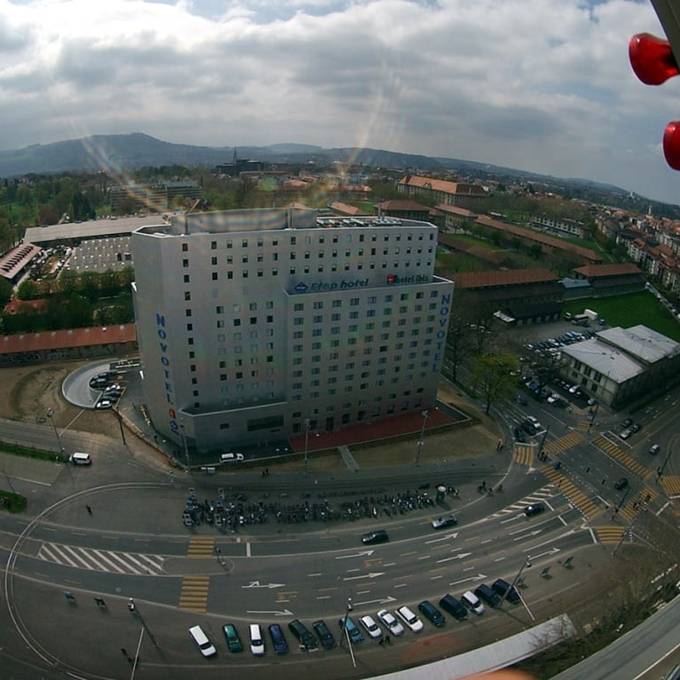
(321, 287)
(167, 376)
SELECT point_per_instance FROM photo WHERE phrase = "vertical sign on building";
(167, 374)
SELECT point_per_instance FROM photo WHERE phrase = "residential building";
(256, 325)
(406, 209)
(454, 218)
(463, 194)
(611, 279)
(15, 261)
(560, 226)
(621, 364)
(158, 196)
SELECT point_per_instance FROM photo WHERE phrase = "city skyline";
(542, 86)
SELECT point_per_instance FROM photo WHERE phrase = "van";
(451, 605)
(201, 639)
(472, 602)
(303, 636)
(278, 639)
(79, 458)
(232, 457)
(256, 640)
(486, 594)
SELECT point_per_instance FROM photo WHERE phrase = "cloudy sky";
(541, 85)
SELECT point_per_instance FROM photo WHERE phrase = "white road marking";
(248, 552)
(323, 597)
(316, 573)
(512, 519)
(424, 557)
(350, 571)
(390, 564)
(499, 559)
(400, 585)
(564, 521)
(486, 540)
(592, 534)
(663, 508)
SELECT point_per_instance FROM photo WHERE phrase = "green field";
(630, 310)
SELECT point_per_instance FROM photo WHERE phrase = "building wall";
(277, 325)
(111, 350)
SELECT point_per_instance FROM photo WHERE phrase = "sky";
(539, 85)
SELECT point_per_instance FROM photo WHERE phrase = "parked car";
(104, 404)
(231, 457)
(232, 637)
(256, 640)
(375, 537)
(431, 613)
(454, 607)
(635, 427)
(390, 622)
(505, 590)
(371, 627)
(279, 642)
(472, 602)
(519, 436)
(621, 484)
(624, 434)
(201, 639)
(303, 636)
(80, 458)
(444, 522)
(355, 635)
(486, 594)
(627, 423)
(324, 634)
(534, 509)
(654, 449)
(410, 619)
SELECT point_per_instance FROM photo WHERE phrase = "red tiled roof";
(345, 208)
(592, 271)
(411, 206)
(16, 306)
(455, 210)
(503, 278)
(443, 185)
(68, 338)
(531, 235)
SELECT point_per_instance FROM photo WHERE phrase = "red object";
(671, 144)
(652, 59)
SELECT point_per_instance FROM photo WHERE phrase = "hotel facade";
(256, 324)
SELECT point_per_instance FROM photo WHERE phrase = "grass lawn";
(629, 310)
(475, 241)
(459, 262)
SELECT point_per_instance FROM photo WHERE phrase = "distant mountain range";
(128, 151)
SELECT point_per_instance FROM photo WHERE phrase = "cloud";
(543, 85)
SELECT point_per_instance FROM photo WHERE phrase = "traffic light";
(653, 62)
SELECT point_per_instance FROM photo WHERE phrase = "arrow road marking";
(442, 538)
(373, 574)
(385, 600)
(363, 553)
(552, 540)
(282, 612)
(479, 577)
(552, 551)
(257, 584)
(455, 557)
(535, 532)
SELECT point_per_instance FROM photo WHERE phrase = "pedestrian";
(382, 642)
(89, 509)
(588, 469)
(266, 472)
(603, 481)
(124, 652)
(388, 639)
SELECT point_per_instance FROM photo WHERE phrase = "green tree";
(493, 379)
(28, 290)
(535, 251)
(5, 292)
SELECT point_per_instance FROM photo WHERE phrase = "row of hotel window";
(321, 239)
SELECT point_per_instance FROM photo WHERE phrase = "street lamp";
(348, 609)
(525, 565)
(659, 470)
(184, 443)
(421, 439)
(50, 413)
(306, 441)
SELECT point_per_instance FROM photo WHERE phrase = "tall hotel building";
(252, 322)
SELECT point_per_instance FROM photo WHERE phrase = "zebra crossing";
(541, 494)
(194, 594)
(609, 535)
(671, 485)
(568, 441)
(201, 547)
(585, 505)
(613, 451)
(92, 559)
(646, 495)
(523, 454)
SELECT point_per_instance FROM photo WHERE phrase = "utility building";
(254, 325)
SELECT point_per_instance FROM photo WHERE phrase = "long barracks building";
(251, 322)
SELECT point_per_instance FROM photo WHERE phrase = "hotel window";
(187, 279)
(185, 247)
(185, 263)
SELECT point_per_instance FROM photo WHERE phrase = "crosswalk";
(646, 495)
(523, 454)
(613, 451)
(671, 485)
(583, 424)
(547, 491)
(609, 535)
(194, 594)
(115, 562)
(587, 507)
(201, 547)
(568, 441)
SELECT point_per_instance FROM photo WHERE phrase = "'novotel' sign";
(167, 376)
(320, 287)
(444, 309)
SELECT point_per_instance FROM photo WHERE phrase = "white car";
(256, 640)
(553, 398)
(231, 457)
(410, 619)
(201, 639)
(371, 627)
(104, 404)
(472, 602)
(390, 622)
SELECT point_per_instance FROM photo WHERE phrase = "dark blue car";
(278, 639)
(355, 635)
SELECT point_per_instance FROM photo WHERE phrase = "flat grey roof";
(641, 342)
(605, 359)
(89, 229)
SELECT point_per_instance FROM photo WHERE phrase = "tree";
(28, 290)
(5, 292)
(493, 379)
(535, 251)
